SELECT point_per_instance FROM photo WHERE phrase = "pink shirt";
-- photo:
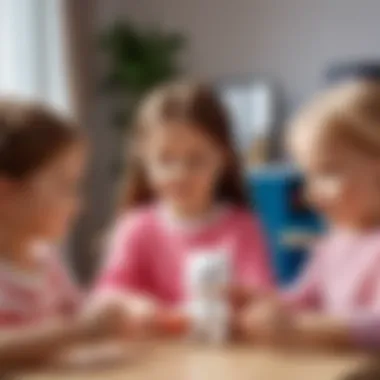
(26, 299)
(343, 279)
(148, 252)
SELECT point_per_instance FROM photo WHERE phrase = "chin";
(53, 237)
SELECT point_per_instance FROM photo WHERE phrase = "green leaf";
(138, 60)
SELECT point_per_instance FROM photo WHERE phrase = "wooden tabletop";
(183, 362)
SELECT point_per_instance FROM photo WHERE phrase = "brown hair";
(349, 112)
(197, 105)
(30, 136)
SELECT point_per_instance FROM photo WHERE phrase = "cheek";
(51, 213)
(325, 192)
(206, 178)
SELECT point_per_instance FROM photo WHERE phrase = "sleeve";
(364, 326)
(122, 269)
(253, 269)
(364, 330)
(305, 292)
(14, 307)
(71, 295)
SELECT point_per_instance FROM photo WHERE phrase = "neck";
(191, 221)
(362, 225)
(191, 213)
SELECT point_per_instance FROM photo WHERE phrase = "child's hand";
(106, 320)
(116, 317)
(265, 321)
(321, 331)
(172, 323)
(240, 296)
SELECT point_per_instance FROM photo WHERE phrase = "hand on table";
(318, 330)
(265, 321)
(268, 322)
(118, 317)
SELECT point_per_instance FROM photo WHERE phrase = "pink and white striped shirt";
(342, 279)
(32, 299)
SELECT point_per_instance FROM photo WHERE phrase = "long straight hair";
(196, 105)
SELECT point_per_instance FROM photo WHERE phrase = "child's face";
(183, 166)
(44, 205)
(341, 181)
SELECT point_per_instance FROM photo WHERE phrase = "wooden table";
(181, 362)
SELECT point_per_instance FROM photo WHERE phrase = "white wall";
(291, 40)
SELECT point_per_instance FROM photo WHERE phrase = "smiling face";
(183, 166)
(342, 181)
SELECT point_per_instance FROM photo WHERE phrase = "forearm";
(32, 345)
(318, 331)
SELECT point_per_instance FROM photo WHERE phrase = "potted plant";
(137, 61)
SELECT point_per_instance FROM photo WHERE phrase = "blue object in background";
(288, 222)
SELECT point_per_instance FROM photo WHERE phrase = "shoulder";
(136, 220)
(133, 226)
(244, 219)
(17, 293)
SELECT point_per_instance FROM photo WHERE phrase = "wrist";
(319, 331)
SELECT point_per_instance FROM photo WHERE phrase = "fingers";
(240, 296)
(171, 323)
(264, 320)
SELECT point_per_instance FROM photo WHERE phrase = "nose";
(178, 171)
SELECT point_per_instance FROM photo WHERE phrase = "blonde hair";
(349, 112)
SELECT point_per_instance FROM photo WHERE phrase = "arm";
(359, 329)
(319, 331)
(273, 315)
(22, 343)
(123, 277)
(253, 269)
(304, 293)
(36, 344)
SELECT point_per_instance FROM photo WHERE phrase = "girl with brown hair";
(42, 158)
(184, 195)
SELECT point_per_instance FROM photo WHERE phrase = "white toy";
(208, 275)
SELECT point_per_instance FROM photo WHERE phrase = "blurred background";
(94, 60)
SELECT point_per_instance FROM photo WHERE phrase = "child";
(42, 158)
(185, 195)
(336, 303)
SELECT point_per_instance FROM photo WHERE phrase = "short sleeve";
(71, 295)
(305, 292)
(15, 306)
(364, 324)
(253, 268)
(122, 269)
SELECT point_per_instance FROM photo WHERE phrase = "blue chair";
(287, 220)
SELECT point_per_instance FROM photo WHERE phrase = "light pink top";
(148, 252)
(342, 279)
(27, 299)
